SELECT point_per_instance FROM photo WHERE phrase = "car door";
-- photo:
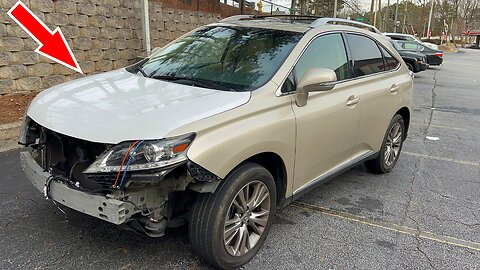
(327, 126)
(377, 88)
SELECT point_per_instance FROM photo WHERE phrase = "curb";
(8, 136)
(10, 131)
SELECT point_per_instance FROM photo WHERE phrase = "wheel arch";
(276, 166)
(413, 63)
(269, 160)
(404, 112)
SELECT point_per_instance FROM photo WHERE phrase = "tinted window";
(411, 46)
(238, 58)
(325, 52)
(366, 56)
(407, 38)
(397, 45)
(390, 61)
(422, 48)
(397, 37)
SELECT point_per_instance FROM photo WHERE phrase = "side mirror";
(314, 80)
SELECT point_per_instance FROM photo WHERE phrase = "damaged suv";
(220, 128)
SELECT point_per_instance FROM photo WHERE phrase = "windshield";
(417, 39)
(397, 45)
(233, 58)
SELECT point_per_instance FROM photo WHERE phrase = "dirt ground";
(12, 107)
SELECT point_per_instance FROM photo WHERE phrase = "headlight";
(420, 59)
(144, 155)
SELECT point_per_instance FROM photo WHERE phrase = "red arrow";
(52, 44)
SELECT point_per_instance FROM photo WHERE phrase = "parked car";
(415, 62)
(220, 128)
(434, 57)
(406, 37)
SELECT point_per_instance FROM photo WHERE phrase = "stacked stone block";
(103, 35)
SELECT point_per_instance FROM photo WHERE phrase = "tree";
(470, 14)
(460, 15)
(318, 7)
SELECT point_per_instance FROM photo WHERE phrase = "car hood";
(120, 106)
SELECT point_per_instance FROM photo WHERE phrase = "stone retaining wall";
(103, 34)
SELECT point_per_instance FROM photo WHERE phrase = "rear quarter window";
(390, 61)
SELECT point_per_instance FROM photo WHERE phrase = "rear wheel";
(228, 227)
(391, 147)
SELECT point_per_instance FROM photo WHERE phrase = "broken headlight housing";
(143, 155)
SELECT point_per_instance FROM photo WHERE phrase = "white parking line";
(439, 126)
(446, 127)
(465, 162)
(388, 226)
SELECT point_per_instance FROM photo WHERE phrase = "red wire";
(123, 162)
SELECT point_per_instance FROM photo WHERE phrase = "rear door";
(377, 89)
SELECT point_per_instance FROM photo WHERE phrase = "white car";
(406, 37)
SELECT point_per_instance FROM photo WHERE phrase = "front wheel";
(391, 147)
(410, 67)
(228, 227)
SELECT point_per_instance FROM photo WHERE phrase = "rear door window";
(366, 56)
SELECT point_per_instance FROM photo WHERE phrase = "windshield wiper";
(194, 82)
(138, 68)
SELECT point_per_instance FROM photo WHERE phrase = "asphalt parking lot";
(425, 214)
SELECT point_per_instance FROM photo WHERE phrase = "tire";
(410, 67)
(207, 226)
(391, 147)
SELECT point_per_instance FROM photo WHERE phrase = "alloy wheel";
(393, 144)
(246, 218)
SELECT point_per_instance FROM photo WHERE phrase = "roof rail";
(236, 18)
(289, 16)
(274, 16)
(325, 21)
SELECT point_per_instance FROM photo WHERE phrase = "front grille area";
(106, 180)
(68, 157)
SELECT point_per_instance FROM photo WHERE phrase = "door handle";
(394, 88)
(352, 100)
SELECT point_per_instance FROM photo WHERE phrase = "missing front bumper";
(100, 206)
